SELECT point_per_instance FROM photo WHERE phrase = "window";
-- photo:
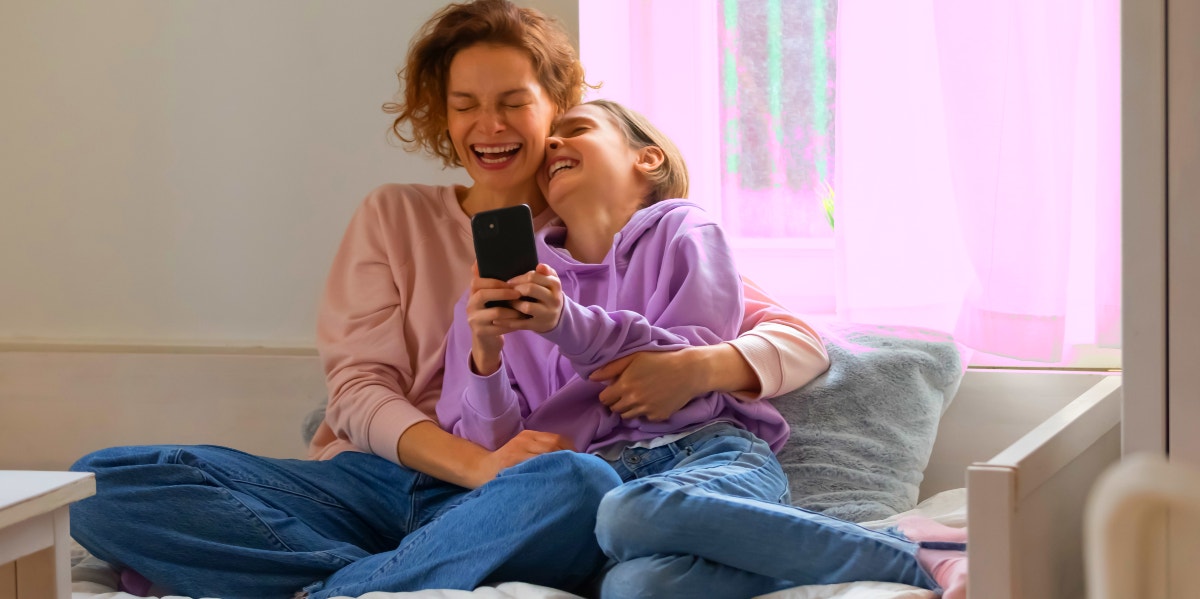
(971, 153)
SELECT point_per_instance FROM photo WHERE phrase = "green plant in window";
(827, 202)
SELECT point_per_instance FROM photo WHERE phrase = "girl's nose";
(553, 143)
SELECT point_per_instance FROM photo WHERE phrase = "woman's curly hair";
(422, 99)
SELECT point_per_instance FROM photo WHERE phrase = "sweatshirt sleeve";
(784, 351)
(696, 300)
(486, 410)
(360, 341)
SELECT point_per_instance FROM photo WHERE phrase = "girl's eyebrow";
(570, 121)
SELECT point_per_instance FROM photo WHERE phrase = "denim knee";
(94, 461)
(657, 576)
(570, 476)
(629, 519)
(125, 455)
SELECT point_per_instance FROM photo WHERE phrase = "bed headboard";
(1025, 540)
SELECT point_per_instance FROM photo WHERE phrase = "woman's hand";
(543, 286)
(526, 445)
(487, 324)
(653, 385)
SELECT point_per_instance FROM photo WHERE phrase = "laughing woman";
(390, 501)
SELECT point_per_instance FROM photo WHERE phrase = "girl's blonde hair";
(670, 179)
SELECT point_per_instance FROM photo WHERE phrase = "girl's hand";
(652, 385)
(543, 286)
(487, 324)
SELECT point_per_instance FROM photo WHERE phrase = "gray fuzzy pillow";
(863, 431)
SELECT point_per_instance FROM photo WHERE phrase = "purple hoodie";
(669, 282)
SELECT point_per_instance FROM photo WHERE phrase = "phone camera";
(489, 228)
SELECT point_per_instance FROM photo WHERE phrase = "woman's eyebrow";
(504, 94)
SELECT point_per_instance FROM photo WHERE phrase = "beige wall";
(180, 172)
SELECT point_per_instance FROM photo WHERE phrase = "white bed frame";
(1027, 445)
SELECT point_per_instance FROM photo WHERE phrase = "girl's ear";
(650, 158)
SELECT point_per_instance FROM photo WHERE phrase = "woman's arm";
(368, 370)
(775, 354)
(785, 352)
(433, 451)
(367, 366)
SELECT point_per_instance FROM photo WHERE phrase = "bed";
(1026, 445)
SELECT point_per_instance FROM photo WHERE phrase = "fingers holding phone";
(486, 334)
(541, 300)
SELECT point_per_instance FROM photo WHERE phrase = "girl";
(704, 511)
(390, 501)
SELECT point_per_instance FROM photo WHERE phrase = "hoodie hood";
(554, 235)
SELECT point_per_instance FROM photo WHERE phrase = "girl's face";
(498, 115)
(588, 153)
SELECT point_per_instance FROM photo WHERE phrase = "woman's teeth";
(495, 154)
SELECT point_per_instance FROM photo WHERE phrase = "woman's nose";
(492, 120)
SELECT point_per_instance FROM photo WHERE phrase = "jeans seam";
(289, 492)
(254, 515)
(766, 464)
(395, 557)
(413, 504)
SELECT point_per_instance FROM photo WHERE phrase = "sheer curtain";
(977, 171)
(976, 155)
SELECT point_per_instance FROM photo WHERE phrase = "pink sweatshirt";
(405, 259)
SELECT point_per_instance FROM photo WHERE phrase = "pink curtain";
(977, 153)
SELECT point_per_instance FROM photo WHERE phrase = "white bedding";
(948, 507)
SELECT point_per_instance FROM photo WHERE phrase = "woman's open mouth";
(494, 156)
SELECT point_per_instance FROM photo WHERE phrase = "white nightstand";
(35, 531)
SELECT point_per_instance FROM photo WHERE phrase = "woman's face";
(498, 115)
(588, 152)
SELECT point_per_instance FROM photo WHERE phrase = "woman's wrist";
(428, 449)
(724, 369)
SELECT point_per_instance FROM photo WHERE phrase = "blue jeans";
(212, 521)
(708, 516)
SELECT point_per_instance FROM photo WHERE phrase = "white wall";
(180, 173)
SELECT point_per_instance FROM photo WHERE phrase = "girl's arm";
(696, 301)
(485, 409)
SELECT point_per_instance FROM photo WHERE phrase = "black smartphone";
(504, 246)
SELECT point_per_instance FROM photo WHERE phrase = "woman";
(392, 502)
(705, 510)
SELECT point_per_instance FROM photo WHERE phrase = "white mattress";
(948, 507)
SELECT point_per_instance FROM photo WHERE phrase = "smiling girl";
(704, 509)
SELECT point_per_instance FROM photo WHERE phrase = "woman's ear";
(650, 158)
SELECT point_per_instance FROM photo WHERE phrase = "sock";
(948, 568)
(932, 534)
(942, 552)
(134, 583)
